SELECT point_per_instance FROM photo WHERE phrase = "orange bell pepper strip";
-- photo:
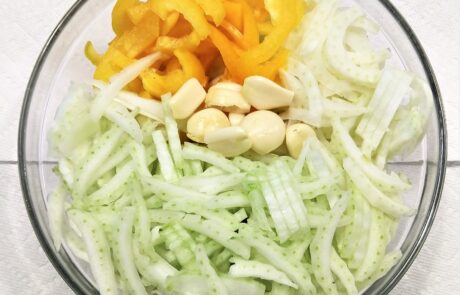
(157, 84)
(234, 14)
(91, 54)
(229, 54)
(172, 65)
(237, 70)
(181, 28)
(206, 53)
(135, 86)
(250, 31)
(214, 9)
(120, 17)
(141, 36)
(273, 42)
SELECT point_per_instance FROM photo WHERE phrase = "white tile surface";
(24, 267)
(25, 26)
(436, 269)
(437, 25)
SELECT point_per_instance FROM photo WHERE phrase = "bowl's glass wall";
(63, 62)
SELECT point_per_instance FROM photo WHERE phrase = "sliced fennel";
(252, 222)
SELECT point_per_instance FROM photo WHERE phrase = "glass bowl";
(62, 61)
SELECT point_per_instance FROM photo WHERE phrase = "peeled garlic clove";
(230, 141)
(227, 96)
(205, 121)
(264, 94)
(296, 135)
(235, 119)
(187, 99)
(265, 129)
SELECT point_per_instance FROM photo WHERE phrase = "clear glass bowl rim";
(440, 175)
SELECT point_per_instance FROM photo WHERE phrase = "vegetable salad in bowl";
(236, 147)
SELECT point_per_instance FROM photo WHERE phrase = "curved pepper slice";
(206, 52)
(239, 71)
(112, 62)
(234, 14)
(213, 8)
(250, 31)
(189, 42)
(284, 24)
(169, 23)
(235, 34)
(137, 12)
(157, 84)
(91, 54)
(120, 17)
(191, 11)
(191, 65)
(140, 37)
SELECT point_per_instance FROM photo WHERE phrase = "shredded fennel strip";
(98, 251)
(117, 83)
(320, 248)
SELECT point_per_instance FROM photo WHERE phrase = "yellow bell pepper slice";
(191, 65)
(120, 17)
(206, 53)
(265, 28)
(274, 41)
(236, 35)
(112, 62)
(172, 65)
(191, 11)
(91, 54)
(140, 37)
(214, 9)
(169, 23)
(238, 71)
(234, 14)
(136, 13)
(157, 84)
(250, 32)
(189, 42)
